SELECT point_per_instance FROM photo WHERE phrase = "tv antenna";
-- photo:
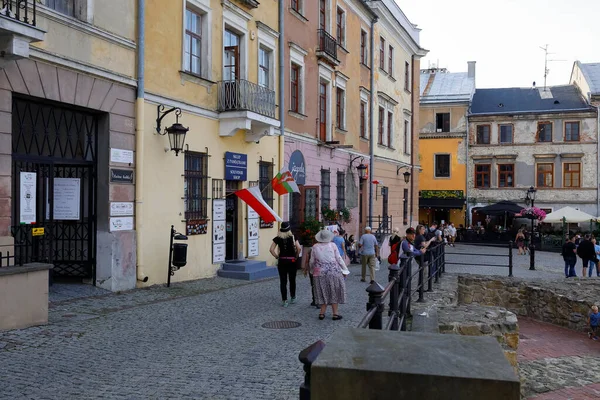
(546, 61)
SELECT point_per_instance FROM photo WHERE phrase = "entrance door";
(55, 147)
(231, 220)
(231, 71)
(311, 202)
(323, 111)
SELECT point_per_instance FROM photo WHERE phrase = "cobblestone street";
(197, 340)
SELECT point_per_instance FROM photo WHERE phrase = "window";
(381, 124)
(264, 57)
(296, 5)
(363, 119)
(193, 42)
(483, 134)
(405, 207)
(506, 134)
(407, 137)
(363, 47)
(265, 175)
(385, 209)
(322, 14)
(506, 175)
(571, 131)
(341, 190)
(325, 188)
(391, 60)
(544, 132)
(390, 129)
(195, 185)
(231, 49)
(295, 88)
(341, 27)
(382, 53)
(340, 105)
(545, 175)
(323, 111)
(66, 7)
(572, 175)
(442, 122)
(482, 175)
(442, 165)
(407, 76)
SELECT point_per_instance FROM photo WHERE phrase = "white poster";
(218, 232)
(67, 198)
(253, 229)
(121, 224)
(120, 209)
(28, 198)
(121, 156)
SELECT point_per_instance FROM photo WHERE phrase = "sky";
(505, 36)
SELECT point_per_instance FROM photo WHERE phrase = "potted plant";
(329, 214)
(308, 229)
(344, 214)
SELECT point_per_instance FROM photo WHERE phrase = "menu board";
(67, 198)
(27, 212)
(253, 228)
(218, 231)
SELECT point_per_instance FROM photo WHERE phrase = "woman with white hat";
(328, 269)
(287, 252)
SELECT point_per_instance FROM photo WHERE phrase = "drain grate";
(281, 324)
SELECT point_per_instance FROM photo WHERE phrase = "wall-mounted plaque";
(67, 199)
(27, 202)
(197, 227)
(121, 209)
(121, 224)
(121, 156)
(121, 175)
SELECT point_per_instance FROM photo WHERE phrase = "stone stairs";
(247, 270)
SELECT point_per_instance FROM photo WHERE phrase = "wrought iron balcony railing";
(327, 44)
(20, 10)
(241, 95)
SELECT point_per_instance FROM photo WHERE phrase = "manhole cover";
(281, 324)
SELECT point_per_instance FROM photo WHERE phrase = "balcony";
(18, 29)
(327, 48)
(246, 106)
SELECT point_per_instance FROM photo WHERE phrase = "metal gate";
(59, 145)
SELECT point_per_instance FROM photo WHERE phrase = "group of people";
(587, 250)
(326, 262)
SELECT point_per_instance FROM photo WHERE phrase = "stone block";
(67, 85)
(512, 340)
(369, 364)
(49, 78)
(31, 77)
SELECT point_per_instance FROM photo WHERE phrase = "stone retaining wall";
(564, 303)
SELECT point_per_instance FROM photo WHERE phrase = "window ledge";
(341, 130)
(188, 76)
(343, 48)
(383, 71)
(365, 65)
(298, 15)
(442, 177)
(407, 91)
(364, 139)
(383, 146)
(392, 78)
(297, 115)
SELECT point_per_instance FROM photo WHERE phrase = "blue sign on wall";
(297, 167)
(236, 166)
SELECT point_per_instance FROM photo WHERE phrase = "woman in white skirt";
(328, 269)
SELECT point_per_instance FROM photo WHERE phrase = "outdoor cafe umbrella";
(503, 207)
(569, 215)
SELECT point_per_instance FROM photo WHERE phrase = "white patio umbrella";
(568, 215)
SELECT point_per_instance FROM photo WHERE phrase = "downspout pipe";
(371, 124)
(467, 210)
(412, 141)
(139, 142)
(281, 93)
(597, 160)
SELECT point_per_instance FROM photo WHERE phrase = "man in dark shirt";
(587, 252)
(569, 253)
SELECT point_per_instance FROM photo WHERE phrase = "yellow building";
(445, 99)
(216, 61)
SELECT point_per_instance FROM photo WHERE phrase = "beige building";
(67, 97)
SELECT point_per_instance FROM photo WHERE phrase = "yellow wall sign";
(37, 231)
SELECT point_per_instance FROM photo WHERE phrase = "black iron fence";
(243, 95)
(7, 259)
(399, 291)
(20, 10)
(327, 44)
(475, 259)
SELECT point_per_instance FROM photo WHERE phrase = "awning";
(441, 203)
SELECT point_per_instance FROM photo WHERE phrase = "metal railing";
(381, 226)
(327, 44)
(477, 263)
(242, 95)
(399, 290)
(20, 10)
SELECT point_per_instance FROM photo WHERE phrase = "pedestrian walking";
(452, 234)
(340, 243)
(394, 242)
(587, 252)
(352, 250)
(520, 241)
(594, 321)
(569, 253)
(595, 266)
(285, 248)
(328, 269)
(369, 250)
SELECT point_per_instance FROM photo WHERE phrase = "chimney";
(471, 69)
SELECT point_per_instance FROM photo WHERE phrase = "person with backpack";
(569, 253)
(394, 241)
(285, 248)
(587, 252)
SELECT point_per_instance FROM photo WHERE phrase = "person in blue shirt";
(408, 247)
(594, 321)
(340, 243)
(594, 264)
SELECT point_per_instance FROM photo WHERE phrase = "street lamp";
(362, 172)
(176, 131)
(530, 199)
(406, 174)
(531, 196)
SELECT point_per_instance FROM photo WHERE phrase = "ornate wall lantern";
(176, 131)
(406, 174)
(361, 168)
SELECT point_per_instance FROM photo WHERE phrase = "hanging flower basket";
(532, 213)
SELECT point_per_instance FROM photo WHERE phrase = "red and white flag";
(254, 199)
